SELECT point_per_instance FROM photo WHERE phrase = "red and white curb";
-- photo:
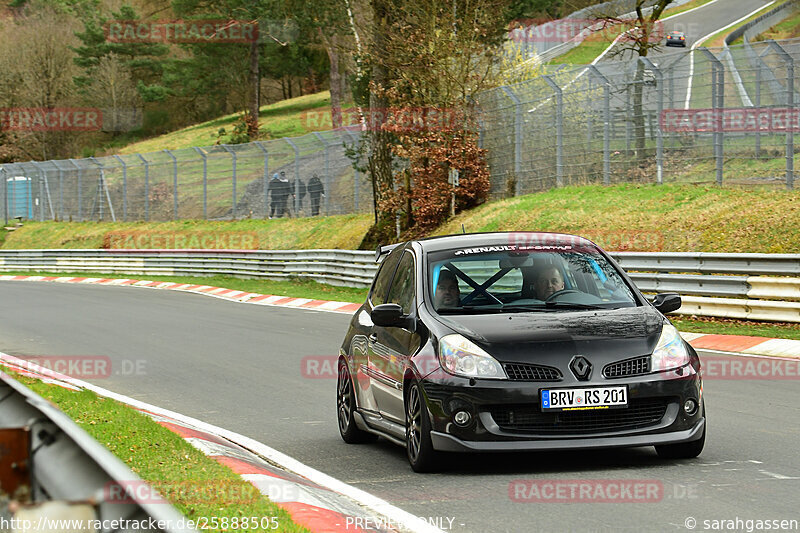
(207, 290)
(723, 343)
(744, 344)
(314, 500)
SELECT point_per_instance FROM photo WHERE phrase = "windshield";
(493, 279)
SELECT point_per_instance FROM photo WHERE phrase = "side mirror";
(388, 316)
(667, 302)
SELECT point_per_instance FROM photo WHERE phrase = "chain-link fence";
(258, 179)
(686, 116)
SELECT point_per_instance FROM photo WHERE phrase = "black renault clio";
(511, 342)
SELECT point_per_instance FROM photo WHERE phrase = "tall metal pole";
(559, 130)
(233, 162)
(327, 167)
(296, 176)
(606, 123)
(787, 58)
(174, 184)
(718, 103)
(659, 110)
(265, 177)
(205, 181)
(124, 188)
(146, 187)
(80, 191)
(517, 137)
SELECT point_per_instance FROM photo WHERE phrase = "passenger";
(549, 282)
(447, 291)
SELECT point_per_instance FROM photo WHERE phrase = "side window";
(377, 294)
(402, 291)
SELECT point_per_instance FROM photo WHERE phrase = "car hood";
(548, 338)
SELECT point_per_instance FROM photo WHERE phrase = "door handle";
(372, 337)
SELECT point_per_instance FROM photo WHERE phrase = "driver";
(447, 291)
(549, 282)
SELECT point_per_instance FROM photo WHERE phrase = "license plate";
(582, 399)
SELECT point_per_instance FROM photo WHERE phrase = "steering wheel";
(559, 293)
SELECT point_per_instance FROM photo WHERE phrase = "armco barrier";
(747, 286)
(68, 469)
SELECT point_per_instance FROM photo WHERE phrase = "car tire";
(345, 408)
(684, 450)
(419, 448)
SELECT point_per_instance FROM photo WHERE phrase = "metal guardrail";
(758, 286)
(65, 464)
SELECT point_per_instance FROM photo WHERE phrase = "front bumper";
(449, 443)
(485, 400)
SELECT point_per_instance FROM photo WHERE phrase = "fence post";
(5, 193)
(124, 188)
(659, 110)
(355, 174)
(174, 184)
(758, 107)
(787, 58)
(327, 168)
(296, 176)
(266, 176)
(146, 187)
(517, 137)
(228, 149)
(80, 192)
(606, 123)
(205, 181)
(42, 180)
(559, 130)
(718, 104)
(60, 190)
(103, 188)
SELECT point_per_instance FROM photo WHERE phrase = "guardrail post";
(266, 176)
(787, 58)
(517, 137)
(659, 110)
(606, 122)
(296, 176)
(80, 192)
(327, 168)
(559, 130)
(718, 104)
(174, 184)
(124, 187)
(146, 187)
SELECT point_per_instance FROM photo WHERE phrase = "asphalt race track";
(239, 367)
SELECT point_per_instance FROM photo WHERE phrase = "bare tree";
(642, 35)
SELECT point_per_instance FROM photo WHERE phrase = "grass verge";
(320, 291)
(338, 231)
(196, 485)
(287, 118)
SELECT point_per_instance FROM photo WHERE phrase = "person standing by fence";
(315, 191)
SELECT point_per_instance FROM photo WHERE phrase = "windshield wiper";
(572, 305)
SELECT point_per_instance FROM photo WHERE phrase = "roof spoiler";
(385, 249)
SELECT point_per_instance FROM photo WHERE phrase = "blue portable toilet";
(20, 198)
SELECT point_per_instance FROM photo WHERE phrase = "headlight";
(670, 352)
(460, 356)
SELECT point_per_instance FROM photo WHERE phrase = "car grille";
(638, 414)
(526, 372)
(629, 367)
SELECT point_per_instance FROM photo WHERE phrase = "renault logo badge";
(581, 368)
